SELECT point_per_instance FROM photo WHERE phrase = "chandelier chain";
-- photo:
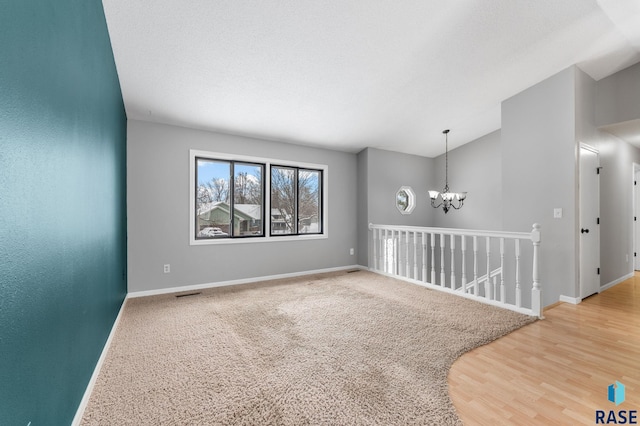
(446, 161)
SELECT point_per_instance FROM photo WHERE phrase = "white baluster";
(415, 255)
(503, 296)
(424, 257)
(453, 262)
(375, 238)
(395, 252)
(385, 254)
(518, 295)
(391, 252)
(380, 263)
(475, 266)
(487, 283)
(495, 287)
(380, 249)
(536, 292)
(442, 275)
(463, 247)
(407, 268)
(433, 259)
(398, 253)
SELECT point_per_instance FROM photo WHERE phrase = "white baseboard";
(87, 393)
(616, 282)
(236, 282)
(572, 300)
(576, 300)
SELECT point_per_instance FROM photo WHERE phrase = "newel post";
(372, 254)
(536, 293)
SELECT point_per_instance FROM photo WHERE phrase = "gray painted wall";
(363, 208)
(380, 176)
(158, 211)
(476, 168)
(387, 172)
(617, 97)
(539, 174)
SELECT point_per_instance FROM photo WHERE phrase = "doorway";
(589, 192)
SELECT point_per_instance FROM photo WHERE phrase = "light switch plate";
(557, 213)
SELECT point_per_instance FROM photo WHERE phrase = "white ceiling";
(350, 74)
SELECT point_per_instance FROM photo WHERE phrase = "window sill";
(257, 240)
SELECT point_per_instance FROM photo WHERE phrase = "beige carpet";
(344, 348)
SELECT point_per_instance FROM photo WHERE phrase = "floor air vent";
(188, 294)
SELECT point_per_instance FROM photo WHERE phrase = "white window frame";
(193, 153)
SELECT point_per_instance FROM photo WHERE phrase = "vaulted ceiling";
(350, 74)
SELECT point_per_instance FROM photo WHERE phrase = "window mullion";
(295, 201)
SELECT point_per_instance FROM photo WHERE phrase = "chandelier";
(446, 199)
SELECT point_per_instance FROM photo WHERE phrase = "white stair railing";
(451, 260)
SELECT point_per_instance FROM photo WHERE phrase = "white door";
(589, 222)
(636, 217)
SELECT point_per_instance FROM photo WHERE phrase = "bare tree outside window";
(229, 199)
(309, 201)
(213, 216)
(247, 199)
(295, 201)
(219, 189)
(283, 200)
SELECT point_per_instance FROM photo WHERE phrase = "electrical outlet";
(167, 268)
(352, 251)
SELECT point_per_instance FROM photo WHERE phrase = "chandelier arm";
(433, 204)
(460, 204)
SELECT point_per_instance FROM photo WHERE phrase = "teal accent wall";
(62, 205)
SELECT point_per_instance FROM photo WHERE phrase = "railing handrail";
(455, 231)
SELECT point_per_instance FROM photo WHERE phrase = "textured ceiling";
(350, 74)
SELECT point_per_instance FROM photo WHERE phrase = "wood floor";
(555, 371)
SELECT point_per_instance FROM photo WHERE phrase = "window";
(241, 199)
(296, 196)
(309, 201)
(228, 207)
